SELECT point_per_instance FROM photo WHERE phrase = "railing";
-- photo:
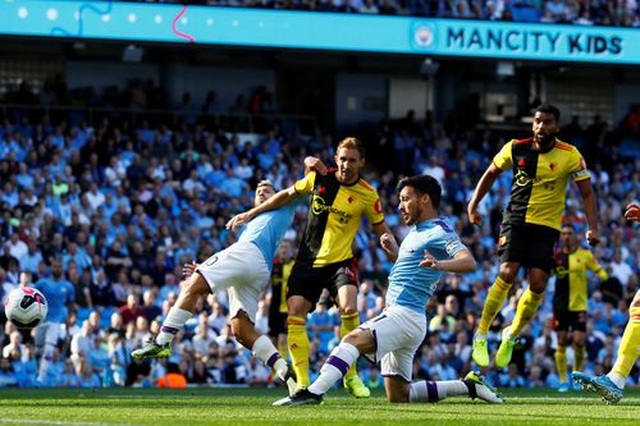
(174, 119)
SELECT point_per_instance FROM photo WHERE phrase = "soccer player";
(430, 248)
(542, 166)
(570, 299)
(610, 387)
(243, 269)
(278, 305)
(340, 200)
(60, 294)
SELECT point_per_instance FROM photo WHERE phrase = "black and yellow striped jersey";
(572, 291)
(335, 215)
(539, 185)
(279, 279)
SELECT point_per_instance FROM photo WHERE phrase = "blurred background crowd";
(123, 205)
(618, 13)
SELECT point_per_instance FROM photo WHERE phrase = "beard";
(546, 142)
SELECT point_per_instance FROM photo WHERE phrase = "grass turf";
(253, 406)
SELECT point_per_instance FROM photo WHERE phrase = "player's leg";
(472, 385)
(537, 245)
(51, 332)
(578, 339)
(561, 355)
(304, 289)
(243, 304)
(496, 297)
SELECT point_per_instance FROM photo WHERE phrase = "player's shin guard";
(495, 299)
(266, 352)
(299, 349)
(527, 307)
(172, 324)
(629, 348)
(561, 363)
(341, 358)
(349, 322)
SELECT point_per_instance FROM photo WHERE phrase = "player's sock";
(579, 353)
(628, 350)
(299, 348)
(527, 307)
(172, 324)
(341, 358)
(45, 362)
(349, 322)
(283, 348)
(265, 351)
(428, 391)
(495, 299)
(561, 363)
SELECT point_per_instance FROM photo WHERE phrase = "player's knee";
(348, 310)
(195, 284)
(635, 303)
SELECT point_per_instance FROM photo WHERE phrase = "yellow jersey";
(335, 215)
(539, 184)
(572, 280)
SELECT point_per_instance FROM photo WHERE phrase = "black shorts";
(277, 323)
(570, 320)
(530, 245)
(308, 282)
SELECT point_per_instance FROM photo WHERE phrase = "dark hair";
(424, 184)
(265, 182)
(549, 109)
(569, 225)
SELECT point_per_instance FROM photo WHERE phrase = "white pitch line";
(54, 422)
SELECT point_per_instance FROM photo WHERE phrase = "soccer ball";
(26, 307)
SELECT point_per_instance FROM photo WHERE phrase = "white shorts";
(398, 332)
(242, 271)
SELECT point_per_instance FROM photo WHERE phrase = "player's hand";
(188, 269)
(429, 261)
(632, 212)
(474, 216)
(238, 220)
(389, 244)
(592, 237)
(315, 164)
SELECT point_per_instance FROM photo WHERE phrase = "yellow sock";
(495, 299)
(349, 322)
(283, 348)
(561, 363)
(629, 345)
(579, 355)
(527, 307)
(299, 348)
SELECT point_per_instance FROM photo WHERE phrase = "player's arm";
(484, 184)
(461, 262)
(590, 209)
(632, 212)
(387, 240)
(314, 164)
(597, 269)
(274, 202)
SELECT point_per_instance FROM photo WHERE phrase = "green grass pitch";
(253, 406)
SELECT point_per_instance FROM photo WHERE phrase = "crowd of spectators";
(124, 205)
(615, 13)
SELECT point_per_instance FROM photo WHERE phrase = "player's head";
(56, 267)
(568, 235)
(264, 190)
(419, 198)
(349, 159)
(546, 125)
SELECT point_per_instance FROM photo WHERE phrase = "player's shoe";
(152, 350)
(564, 387)
(478, 389)
(505, 350)
(602, 385)
(356, 387)
(291, 381)
(480, 352)
(302, 397)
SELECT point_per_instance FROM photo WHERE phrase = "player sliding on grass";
(243, 269)
(430, 249)
(611, 386)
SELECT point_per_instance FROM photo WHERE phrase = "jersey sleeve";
(305, 185)
(503, 159)
(597, 269)
(578, 166)
(373, 210)
(448, 241)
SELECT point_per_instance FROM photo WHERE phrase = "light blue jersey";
(58, 293)
(411, 285)
(267, 230)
